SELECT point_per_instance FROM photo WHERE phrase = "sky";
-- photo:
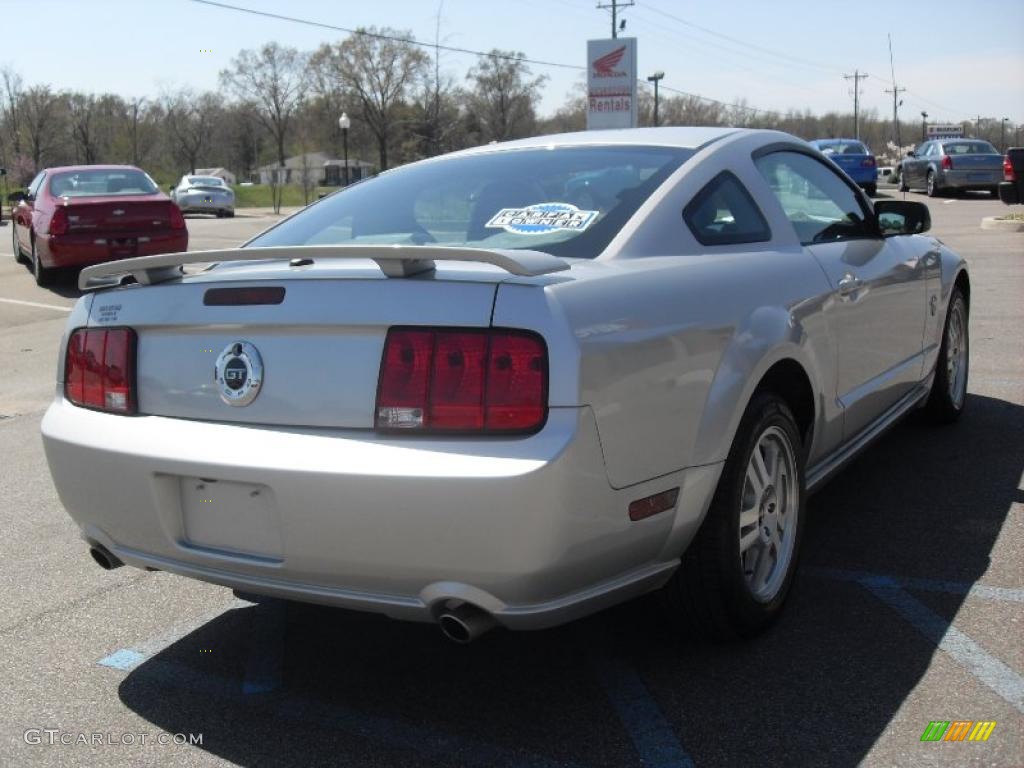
(958, 60)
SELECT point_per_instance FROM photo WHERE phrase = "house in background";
(221, 173)
(316, 168)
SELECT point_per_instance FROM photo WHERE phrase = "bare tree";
(504, 95)
(273, 81)
(189, 120)
(10, 115)
(42, 119)
(82, 110)
(377, 67)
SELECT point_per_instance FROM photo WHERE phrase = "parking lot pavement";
(908, 608)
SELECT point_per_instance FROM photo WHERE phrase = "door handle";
(849, 283)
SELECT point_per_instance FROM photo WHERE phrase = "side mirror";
(911, 153)
(902, 217)
(17, 196)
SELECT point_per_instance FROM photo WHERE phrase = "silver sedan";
(204, 194)
(513, 385)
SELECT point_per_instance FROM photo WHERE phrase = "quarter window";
(724, 213)
(818, 203)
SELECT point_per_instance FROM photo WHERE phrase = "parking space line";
(982, 591)
(393, 732)
(986, 668)
(36, 304)
(127, 659)
(652, 736)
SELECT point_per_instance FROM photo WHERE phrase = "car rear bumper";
(202, 206)
(79, 250)
(528, 529)
(983, 179)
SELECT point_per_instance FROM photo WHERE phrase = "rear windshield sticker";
(542, 218)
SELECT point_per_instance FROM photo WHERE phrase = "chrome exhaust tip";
(466, 623)
(103, 558)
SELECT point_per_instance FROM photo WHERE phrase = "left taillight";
(99, 369)
(947, 163)
(177, 220)
(868, 162)
(59, 222)
(1008, 173)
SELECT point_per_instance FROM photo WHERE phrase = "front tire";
(949, 389)
(43, 275)
(18, 255)
(733, 579)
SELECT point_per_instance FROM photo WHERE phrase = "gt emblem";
(239, 373)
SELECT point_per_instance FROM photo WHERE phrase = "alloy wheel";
(768, 517)
(956, 353)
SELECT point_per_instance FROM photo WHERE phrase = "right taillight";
(462, 380)
(99, 369)
(1008, 172)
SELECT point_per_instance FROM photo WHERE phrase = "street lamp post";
(1002, 134)
(654, 79)
(344, 123)
(924, 127)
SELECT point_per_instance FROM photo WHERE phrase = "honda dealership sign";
(611, 83)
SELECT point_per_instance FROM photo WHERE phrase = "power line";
(744, 43)
(453, 49)
(392, 38)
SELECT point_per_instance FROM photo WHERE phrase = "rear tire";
(722, 591)
(994, 192)
(902, 183)
(931, 187)
(43, 275)
(949, 388)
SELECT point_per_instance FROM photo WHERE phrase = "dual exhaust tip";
(462, 624)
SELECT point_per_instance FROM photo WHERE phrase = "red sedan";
(79, 215)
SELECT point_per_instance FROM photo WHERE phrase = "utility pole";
(896, 91)
(857, 76)
(615, 5)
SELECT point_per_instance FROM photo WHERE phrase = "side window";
(816, 200)
(724, 213)
(933, 149)
(37, 182)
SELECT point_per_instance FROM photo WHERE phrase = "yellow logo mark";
(982, 731)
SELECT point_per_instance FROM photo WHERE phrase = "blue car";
(853, 157)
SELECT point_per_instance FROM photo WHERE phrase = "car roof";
(836, 141)
(683, 138)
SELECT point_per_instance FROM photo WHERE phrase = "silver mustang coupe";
(512, 385)
(204, 194)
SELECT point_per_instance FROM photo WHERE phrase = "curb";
(1003, 225)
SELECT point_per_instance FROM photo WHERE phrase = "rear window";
(969, 148)
(569, 201)
(843, 148)
(205, 181)
(100, 182)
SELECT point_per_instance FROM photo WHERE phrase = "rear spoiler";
(393, 260)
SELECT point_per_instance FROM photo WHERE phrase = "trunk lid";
(101, 214)
(981, 162)
(320, 346)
